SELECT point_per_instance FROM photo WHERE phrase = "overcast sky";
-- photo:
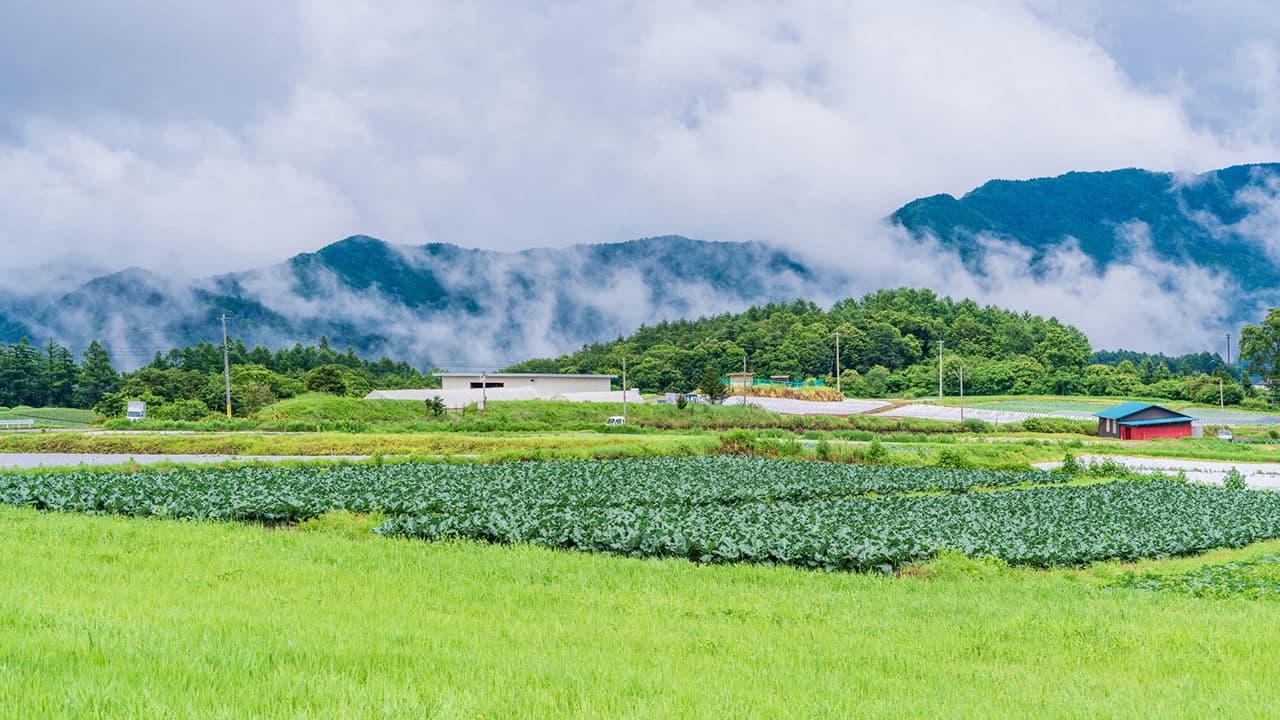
(230, 134)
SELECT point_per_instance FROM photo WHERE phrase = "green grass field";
(50, 417)
(113, 617)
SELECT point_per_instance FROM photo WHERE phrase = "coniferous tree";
(56, 379)
(95, 377)
(24, 369)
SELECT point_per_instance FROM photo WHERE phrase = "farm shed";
(1143, 421)
(546, 385)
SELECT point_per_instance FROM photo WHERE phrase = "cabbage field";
(707, 509)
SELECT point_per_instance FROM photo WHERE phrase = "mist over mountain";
(1127, 254)
(435, 304)
(1226, 221)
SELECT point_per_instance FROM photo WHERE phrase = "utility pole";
(837, 361)
(939, 370)
(624, 389)
(1222, 406)
(1228, 349)
(226, 364)
(960, 373)
(484, 390)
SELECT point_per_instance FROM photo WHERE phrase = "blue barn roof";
(1124, 410)
(1156, 421)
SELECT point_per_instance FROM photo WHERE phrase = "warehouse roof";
(524, 375)
(1124, 410)
(1157, 421)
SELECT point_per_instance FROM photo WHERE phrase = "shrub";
(1059, 425)
(974, 425)
(1234, 480)
(1069, 464)
(737, 442)
(952, 458)
(876, 452)
(1110, 468)
(435, 406)
(179, 410)
(823, 451)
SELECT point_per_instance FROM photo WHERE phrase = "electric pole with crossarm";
(226, 363)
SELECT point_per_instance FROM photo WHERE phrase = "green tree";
(711, 386)
(1260, 349)
(1063, 349)
(327, 379)
(436, 407)
(95, 376)
(57, 376)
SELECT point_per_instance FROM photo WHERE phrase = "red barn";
(1143, 421)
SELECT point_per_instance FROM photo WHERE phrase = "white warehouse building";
(458, 390)
(546, 385)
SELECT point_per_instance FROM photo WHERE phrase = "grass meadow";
(115, 617)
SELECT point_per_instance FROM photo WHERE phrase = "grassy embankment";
(146, 618)
(315, 412)
(892, 449)
(328, 425)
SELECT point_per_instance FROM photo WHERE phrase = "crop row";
(1037, 527)
(711, 509)
(293, 493)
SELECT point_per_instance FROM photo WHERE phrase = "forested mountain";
(441, 305)
(433, 305)
(1222, 220)
(889, 346)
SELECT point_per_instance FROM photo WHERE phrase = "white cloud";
(507, 126)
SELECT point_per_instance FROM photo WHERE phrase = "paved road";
(32, 460)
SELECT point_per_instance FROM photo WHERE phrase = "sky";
(206, 137)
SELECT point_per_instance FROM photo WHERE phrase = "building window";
(478, 385)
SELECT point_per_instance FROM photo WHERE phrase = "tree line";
(187, 383)
(891, 343)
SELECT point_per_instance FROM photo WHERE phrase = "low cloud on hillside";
(232, 135)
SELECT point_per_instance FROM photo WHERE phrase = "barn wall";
(1155, 432)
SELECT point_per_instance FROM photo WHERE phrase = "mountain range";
(448, 306)
(1227, 221)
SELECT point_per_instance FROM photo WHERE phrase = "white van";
(615, 420)
(136, 410)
